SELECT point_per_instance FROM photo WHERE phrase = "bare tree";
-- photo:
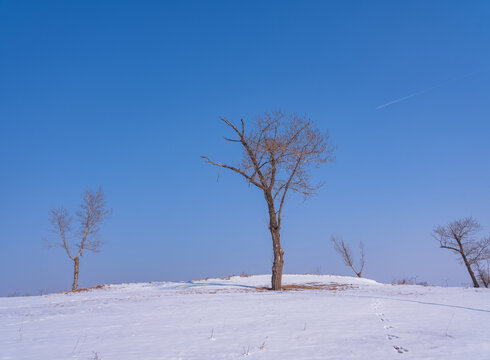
(277, 155)
(460, 237)
(483, 270)
(345, 253)
(91, 215)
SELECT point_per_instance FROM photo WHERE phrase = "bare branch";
(286, 188)
(249, 178)
(232, 140)
(93, 245)
(227, 122)
(61, 221)
(450, 248)
(91, 215)
(246, 145)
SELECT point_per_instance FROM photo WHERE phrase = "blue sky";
(126, 95)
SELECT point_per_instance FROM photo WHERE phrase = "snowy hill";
(318, 317)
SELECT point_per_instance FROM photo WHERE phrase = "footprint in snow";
(377, 307)
(400, 349)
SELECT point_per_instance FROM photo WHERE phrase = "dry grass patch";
(86, 289)
(313, 286)
(242, 274)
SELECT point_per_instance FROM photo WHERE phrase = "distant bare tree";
(277, 155)
(91, 215)
(345, 253)
(460, 237)
(483, 270)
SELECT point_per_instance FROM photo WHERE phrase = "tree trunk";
(470, 270)
(278, 261)
(75, 274)
(276, 245)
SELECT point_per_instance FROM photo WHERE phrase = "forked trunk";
(75, 274)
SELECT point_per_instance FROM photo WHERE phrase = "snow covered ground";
(340, 318)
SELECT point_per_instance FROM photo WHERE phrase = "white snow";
(233, 319)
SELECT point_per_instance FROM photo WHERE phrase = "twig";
(449, 323)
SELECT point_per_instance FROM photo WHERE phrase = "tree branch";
(250, 179)
(450, 248)
(232, 140)
(249, 152)
(279, 213)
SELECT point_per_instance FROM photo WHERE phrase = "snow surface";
(233, 319)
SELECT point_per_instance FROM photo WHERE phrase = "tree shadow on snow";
(422, 302)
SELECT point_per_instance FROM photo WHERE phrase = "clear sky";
(127, 94)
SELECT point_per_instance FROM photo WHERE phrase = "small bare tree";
(483, 270)
(91, 215)
(460, 237)
(277, 156)
(345, 253)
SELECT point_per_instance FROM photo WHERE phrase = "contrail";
(426, 90)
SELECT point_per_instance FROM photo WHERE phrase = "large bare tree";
(278, 153)
(91, 215)
(346, 254)
(459, 236)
